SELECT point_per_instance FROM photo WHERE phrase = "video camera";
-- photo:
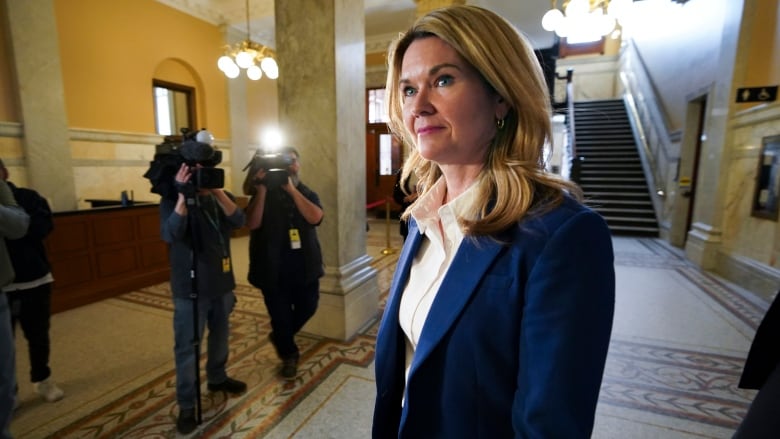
(193, 148)
(275, 165)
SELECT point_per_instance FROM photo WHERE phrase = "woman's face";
(447, 107)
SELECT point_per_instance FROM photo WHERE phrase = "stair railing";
(639, 134)
(574, 161)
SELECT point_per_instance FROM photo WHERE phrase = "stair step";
(614, 188)
(634, 231)
(602, 160)
(612, 166)
(617, 211)
(610, 146)
(640, 180)
(605, 140)
(627, 187)
(598, 124)
(630, 220)
(618, 172)
(596, 202)
(606, 153)
(595, 118)
(641, 195)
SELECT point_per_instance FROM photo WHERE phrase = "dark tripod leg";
(195, 242)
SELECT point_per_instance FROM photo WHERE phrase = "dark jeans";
(213, 313)
(290, 307)
(7, 369)
(32, 310)
(763, 417)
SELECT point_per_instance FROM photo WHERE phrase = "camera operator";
(197, 224)
(285, 261)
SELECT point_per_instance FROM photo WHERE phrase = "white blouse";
(442, 238)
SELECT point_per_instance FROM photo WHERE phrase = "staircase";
(610, 170)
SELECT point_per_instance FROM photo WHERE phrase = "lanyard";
(215, 223)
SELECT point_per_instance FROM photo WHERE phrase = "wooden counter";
(104, 252)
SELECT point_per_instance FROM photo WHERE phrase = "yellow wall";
(9, 112)
(376, 59)
(110, 51)
(763, 61)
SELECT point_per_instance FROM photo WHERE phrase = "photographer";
(196, 224)
(285, 260)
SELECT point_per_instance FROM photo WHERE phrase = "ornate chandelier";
(585, 20)
(254, 57)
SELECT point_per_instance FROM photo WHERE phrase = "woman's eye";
(408, 91)
(443, 81)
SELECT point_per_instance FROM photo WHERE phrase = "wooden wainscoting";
(100, 253)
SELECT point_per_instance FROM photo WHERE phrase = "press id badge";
(295, 239)
(225, 265)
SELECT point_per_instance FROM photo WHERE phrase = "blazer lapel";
(467, 269)
(389, 326)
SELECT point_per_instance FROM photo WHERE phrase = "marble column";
(41, 97)
(705, 237)
(321, 57)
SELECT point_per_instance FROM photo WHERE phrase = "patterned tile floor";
(679, 342)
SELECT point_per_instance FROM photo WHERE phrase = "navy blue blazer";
(516, 338)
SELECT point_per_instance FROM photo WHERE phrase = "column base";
(349, 299)
(702, 245)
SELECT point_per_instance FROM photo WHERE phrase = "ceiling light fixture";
(254, 57)
(585, 20)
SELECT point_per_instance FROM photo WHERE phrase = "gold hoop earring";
(500, 123)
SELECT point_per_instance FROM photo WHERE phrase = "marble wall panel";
(744, 235)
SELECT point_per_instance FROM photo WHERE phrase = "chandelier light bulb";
(245, 58)
(224, 62)
(552, 19)
(270, 67)
(606, 24)
(577, 7)
(254, 73)
(232, 71)
(564, 27)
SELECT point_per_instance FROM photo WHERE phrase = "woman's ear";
(502, 108)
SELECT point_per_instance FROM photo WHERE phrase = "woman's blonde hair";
(513, 183)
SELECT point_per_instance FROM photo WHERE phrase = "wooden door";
(383, 159)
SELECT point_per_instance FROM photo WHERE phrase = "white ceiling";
(383, 17)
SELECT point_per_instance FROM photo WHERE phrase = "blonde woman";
(500, 310)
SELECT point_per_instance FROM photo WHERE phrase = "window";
(377, 111)
(387, 165)
(174, 107)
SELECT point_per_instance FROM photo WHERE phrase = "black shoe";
(289, 367)
(229, 385)
(186, 422)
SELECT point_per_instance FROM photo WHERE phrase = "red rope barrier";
(375, 204)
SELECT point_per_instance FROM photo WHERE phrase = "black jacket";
(272, 262)
(28, 253)
(764, 353)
